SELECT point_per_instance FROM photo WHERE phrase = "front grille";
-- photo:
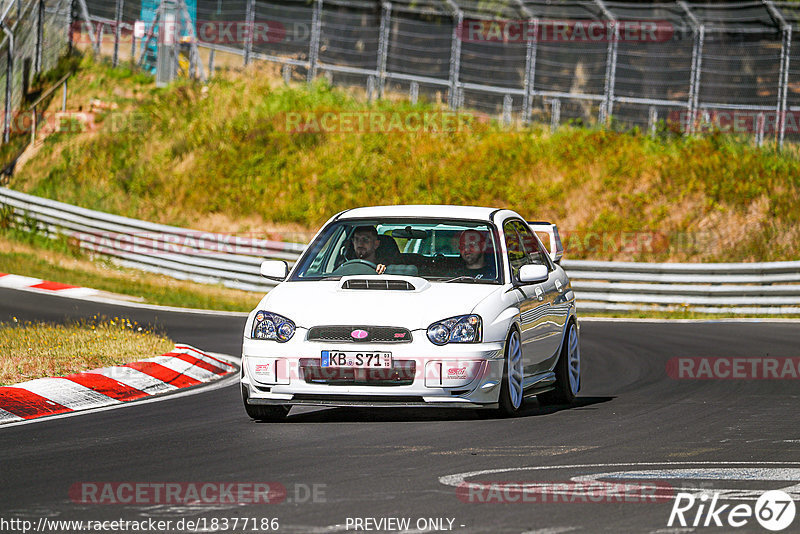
(401, 374)
(391, 285)
(375, 334)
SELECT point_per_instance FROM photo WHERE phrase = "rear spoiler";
(553, 243)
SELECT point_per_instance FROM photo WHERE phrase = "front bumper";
(422, 374)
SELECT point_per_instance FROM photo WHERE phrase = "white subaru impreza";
(445, 306)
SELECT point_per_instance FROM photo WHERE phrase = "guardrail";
(233, 261)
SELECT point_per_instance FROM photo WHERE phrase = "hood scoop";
(378, 284)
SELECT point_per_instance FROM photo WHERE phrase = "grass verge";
(35, 350)
(55, 260)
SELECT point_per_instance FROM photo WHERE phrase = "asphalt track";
(394, 463)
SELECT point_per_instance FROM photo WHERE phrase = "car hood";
(326, 303)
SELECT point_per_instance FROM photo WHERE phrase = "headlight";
(268, 325)
(461, 329)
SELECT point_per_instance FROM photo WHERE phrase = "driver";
(365, 245)
(472, 248)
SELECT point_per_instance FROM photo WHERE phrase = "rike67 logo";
(774, 510)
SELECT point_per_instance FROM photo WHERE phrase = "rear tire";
(511, 398)
(568, 371)
(264, 413)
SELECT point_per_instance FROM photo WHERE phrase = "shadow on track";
(383, 414)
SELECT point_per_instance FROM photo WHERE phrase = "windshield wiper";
(463, 278)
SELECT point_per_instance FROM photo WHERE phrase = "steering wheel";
(355, 266)
(357, 261)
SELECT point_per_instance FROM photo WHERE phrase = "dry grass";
(36, 350)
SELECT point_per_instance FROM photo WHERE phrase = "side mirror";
(275, 270)
(532, 274)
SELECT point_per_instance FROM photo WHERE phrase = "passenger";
(472, 248)
(365, 245)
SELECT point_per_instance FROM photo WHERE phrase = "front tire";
(264, 413)
(568, 370)
(511, 398)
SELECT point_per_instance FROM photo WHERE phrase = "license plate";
(358, 359)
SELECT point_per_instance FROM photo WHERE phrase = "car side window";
(523, 248)
(516, 251)
(533, 248)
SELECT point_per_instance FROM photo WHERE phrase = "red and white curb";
(15, 281)
(185, 366)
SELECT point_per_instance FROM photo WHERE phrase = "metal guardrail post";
(383, 45)
(250, 17)
(117, 30)
(531, 50)
(413, 92)
(455, 55)
(316, 30)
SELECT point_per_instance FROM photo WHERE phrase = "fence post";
(383, 45)
(413, 92)
(9, 76)
(455, 55)
(530, 71)
(652, 120)
(607, 107)
(88, 21)
(698, 33)
(555, 114)
(70, 22)
(37, 62)
(250, 17)
(211, 57)
(785, 84)
(316, 29)
(508, 102)
(117, 30)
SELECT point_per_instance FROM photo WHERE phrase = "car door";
(553, 289)
(534, 302)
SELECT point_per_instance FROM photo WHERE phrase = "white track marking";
(8, 417)
(183, 367)
(230, 380)
(67, 393)
(135, 379)
(15, 281)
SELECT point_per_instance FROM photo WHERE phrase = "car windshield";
(454, 251)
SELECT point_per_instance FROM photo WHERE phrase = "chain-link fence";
(685, 66)
(35, 34)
